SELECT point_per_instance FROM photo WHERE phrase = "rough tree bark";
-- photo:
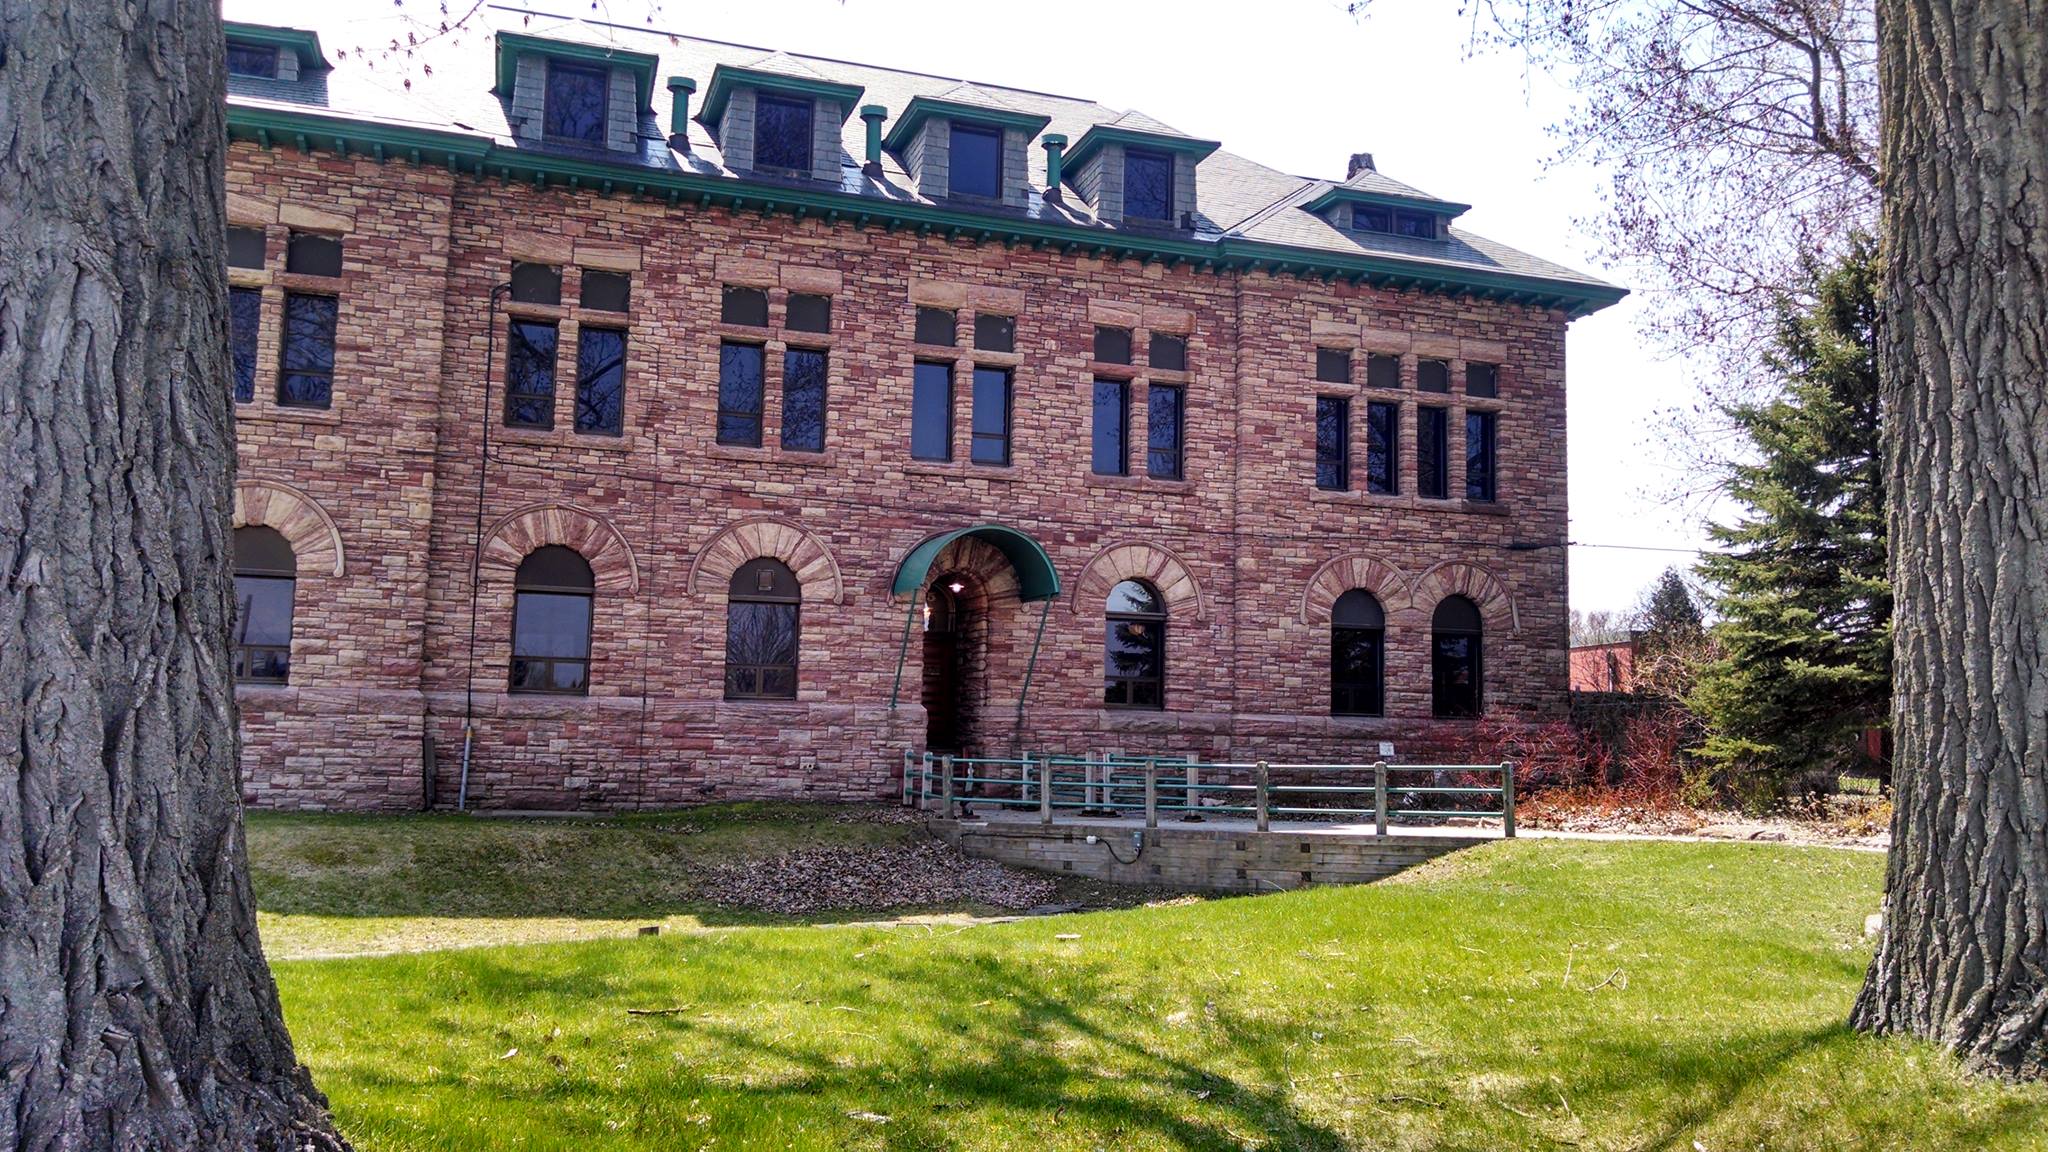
(1963, 956)
(136, 1009)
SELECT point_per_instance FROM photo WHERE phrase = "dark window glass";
(747, 306)
(1371, 218)
(976, 161)
(1113, 345)
(1432, 376)
(1163, 421)
(601, 380)
(1148, 185)
(1432, 453)
(1357, 655)
(1420, 225)
(1169, 353)
(536, 283)
(739, 394)
(1333, 443)
(931, 412)
(1333, 366)
(1134, 648)
(803, 399)
(245, 317)
(1480, 432)
(1455, 667)
(551, 622)
(808, 313)
(1112, 427)
(936, 326)
(245, 59)
(312, 254)
(1382, 423)
(305, 377)
(995, 333)
(1482, 380)
(530, 375)
(991, 416)
(761, 623)
(265, 572)
(245, 247)
(607, 291)
(575, 103)
(1383, 372)
(782, 132)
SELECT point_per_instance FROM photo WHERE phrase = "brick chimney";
(1360, 162)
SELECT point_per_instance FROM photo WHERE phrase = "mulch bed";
(923, 874)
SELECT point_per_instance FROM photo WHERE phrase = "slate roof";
(447, 85)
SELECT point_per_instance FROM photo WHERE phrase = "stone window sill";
(567, 438)
(964, 470)
(1140, 484)
(269, 411)
(772, 454)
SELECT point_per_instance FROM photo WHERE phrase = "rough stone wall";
(1245, 549)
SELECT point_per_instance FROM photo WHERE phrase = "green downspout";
(1017, 740)
(903, 652)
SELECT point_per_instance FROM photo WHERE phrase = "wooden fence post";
(1151, 793)
(924, 783)
(1259, 783)
(1045, 790)
(1194, 802)
(1379, 797)
(1507, 799)
(946, 788)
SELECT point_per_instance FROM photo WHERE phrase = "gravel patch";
(923, 874)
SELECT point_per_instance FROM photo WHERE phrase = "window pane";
(1148, 185)
(600, 380)
(536, 283)
(1383, 372)
(1371, 218)
(803, 400)
(263, 610)
(1479, 456)
(1113, 345)
(747, 306)
(1356, 671)
(808, 313)
(245, 311)
(259, 60)
(311, 254)
(245, 247)
(995, 333)
(931, 412)
(1454, 675)
(782, 132)
(1333, 366)
(530, 375)
(991, 416)
(1431, 453)
(566, 676)
(1432, 376)
(1417, 224)
(739, 394)
(1112, 420)
(575, 103)
(307, 364)
(760, 650)
(977, 161)
(1132, 597)
(1381, 424)
(1482, 380)
(555, 624)
(607, 291)
(1169, 353)
(936, 326)
(1333, 442)
(1163, 431)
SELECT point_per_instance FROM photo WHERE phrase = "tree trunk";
(1963, 956)
(136, 1009)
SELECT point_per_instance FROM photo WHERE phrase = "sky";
(1297, 85)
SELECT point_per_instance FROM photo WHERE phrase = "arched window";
(761, 632)
(1455, 672)
(266, 573)
(1358, 655)
(551, 622)
(1134, 653)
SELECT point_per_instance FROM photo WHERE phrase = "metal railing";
(1115, 785)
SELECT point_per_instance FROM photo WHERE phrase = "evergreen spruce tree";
(1802, 642)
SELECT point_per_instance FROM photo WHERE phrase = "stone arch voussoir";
(817, 572)
(592, 536)
(1480, 584)
(315, 541)
(1387, 583)
(1136, 559)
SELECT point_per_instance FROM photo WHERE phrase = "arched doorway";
(945, 625)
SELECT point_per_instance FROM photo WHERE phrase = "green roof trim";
(1341, 195)
(1037, 579)
(481, 156)
(923, 108)
(306, 45)
(724, 79)
(1093, 139)
(512, 45)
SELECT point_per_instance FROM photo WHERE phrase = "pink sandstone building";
(631, 420)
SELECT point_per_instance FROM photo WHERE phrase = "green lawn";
(1530, 994)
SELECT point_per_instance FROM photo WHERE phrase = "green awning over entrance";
(1036, 579)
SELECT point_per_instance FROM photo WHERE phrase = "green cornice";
(480, 156)
(511, 45)
(1093, 139)
(306, 45)
(1449, 209)
(922, 108)
(725, 78)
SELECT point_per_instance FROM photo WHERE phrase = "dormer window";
(977, 161)
(575, 105)
(247, 59)
(782, 132)
(1148, 185)
(1420, 225)
(1393, 221)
